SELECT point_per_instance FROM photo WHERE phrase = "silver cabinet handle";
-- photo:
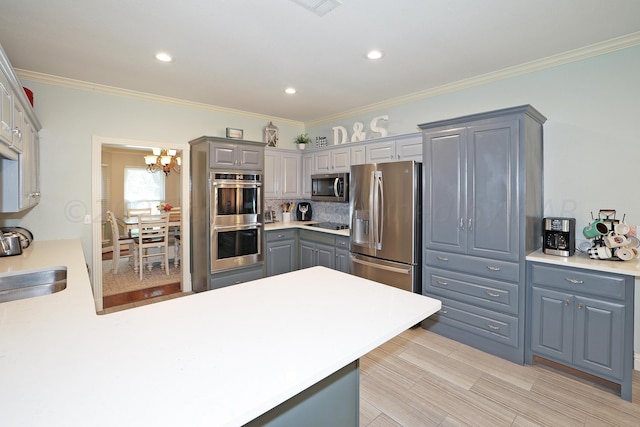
(441, 258)
(443, 311)
(492, 294)
(574, 281)
(579, 306)
(566, 302)
(492, 268)
(469, 228)
(442, 282)
(461, 223)
(494, 327)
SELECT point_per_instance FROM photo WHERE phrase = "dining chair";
(153, 232)
(118, 242)
(138, 211)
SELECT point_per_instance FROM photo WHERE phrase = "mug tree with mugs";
(612, 239)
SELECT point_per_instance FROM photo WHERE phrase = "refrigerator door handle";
(381, 267)
(378, 201)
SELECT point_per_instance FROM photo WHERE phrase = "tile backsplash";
(321, 211)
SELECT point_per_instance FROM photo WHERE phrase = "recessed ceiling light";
(375, 54)
(290, 90)
(164, 57)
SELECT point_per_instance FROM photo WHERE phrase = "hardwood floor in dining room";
(423, 379)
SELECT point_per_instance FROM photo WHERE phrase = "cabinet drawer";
(491, 294)
(221, 280)
(498, 327)
(578, 280)
(342, 243)
(485, 267)
(277, 235)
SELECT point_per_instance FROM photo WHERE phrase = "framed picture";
(268, 217)
(234, 133)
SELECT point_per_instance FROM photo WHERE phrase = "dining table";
(130, 223)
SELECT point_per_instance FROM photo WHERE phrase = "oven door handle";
(253, 225)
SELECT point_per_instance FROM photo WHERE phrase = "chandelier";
(163, 160)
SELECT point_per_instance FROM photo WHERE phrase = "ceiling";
(242, 54)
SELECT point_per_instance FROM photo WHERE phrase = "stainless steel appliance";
(236, 219)
(386, 223)
(560, 236)
(330, 187)
(330, 225)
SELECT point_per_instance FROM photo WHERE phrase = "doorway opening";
(111, 157)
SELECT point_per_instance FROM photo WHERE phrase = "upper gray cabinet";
(397, 148)
(480, 178)
(331, 161)
(237, 156)
(19, 144)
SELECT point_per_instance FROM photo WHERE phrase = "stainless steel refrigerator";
(386, 223)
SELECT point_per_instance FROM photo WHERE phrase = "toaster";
(10, 244)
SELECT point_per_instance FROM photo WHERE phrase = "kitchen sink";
(32, 284)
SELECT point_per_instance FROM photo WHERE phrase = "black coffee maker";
(559, 236)
(303, 211)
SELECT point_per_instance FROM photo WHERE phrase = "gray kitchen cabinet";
(483, 208)
(332, 160)
(358, 155)
(582, 319)
(235, 277)
(317, 248)
(342, 254)
(19, 144)
(307, 171)
(380, 152)
(396, 148)
(282, 174)
(281, 252)
(237, 156)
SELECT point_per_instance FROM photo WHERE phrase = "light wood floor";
(422, 379)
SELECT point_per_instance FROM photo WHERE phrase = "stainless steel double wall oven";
(236, 219)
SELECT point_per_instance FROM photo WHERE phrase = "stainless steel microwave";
(330, 187)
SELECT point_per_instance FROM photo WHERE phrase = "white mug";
(621, 228)
(614, 240)
(625, 254)
(600, 252)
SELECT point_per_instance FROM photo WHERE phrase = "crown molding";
(111, 90)
(597, 49)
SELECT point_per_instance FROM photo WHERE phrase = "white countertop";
(217, 358)
(303, 225)
(580, 260)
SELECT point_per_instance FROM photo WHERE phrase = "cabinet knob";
(469, 228)
(580, 306)
(461, 223)
(566, 302)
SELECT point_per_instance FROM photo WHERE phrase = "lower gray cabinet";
(342, 254)
(317, 249)
(582, 319)
(234, 277)
(281, 252)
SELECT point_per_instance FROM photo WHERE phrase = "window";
(143, 189)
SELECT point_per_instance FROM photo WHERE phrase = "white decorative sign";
(340, 135)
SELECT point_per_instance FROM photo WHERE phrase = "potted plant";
(302, 140)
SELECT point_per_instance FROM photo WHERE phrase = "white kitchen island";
(218, 358)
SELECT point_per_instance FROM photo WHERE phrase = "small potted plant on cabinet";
(302, 140)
